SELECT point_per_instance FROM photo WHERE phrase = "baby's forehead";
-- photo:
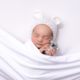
(42, 26)
(42, 29)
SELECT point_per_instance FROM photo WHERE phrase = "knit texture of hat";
(47, 22)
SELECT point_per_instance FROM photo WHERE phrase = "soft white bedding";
(20, 61)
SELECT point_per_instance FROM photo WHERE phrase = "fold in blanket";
(20, 61)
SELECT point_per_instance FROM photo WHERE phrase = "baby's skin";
(41, 36)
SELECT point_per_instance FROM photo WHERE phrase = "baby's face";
(41, 35)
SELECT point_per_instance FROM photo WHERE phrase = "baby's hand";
(46, 47)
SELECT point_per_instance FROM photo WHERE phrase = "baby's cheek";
(46, 41)
(33, 39)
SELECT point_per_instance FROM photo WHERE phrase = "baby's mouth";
(39, 44)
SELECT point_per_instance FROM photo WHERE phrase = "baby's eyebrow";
(36, 33)
(47, 36)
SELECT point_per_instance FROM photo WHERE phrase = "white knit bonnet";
(52, 23)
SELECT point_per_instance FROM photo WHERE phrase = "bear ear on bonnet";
(57, 20)
(38, 14)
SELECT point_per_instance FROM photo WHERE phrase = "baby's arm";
(46, 47)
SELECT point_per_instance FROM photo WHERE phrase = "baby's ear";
(38, 14)
(57, 20)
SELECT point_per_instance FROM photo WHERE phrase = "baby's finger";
(46, 46)
(53, 51)
(49, 52)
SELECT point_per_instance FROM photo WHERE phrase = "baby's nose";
(40, 39)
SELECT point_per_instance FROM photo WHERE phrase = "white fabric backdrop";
(16, 17)
(25, 62)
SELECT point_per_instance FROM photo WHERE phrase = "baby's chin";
(38, 46)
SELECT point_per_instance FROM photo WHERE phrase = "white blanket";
(25, 62)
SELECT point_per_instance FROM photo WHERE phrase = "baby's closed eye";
(36, 35)
(46, 37)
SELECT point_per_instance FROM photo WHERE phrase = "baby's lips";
(39, 43)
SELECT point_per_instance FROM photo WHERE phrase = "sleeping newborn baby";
(43, 31)
(41, 36)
